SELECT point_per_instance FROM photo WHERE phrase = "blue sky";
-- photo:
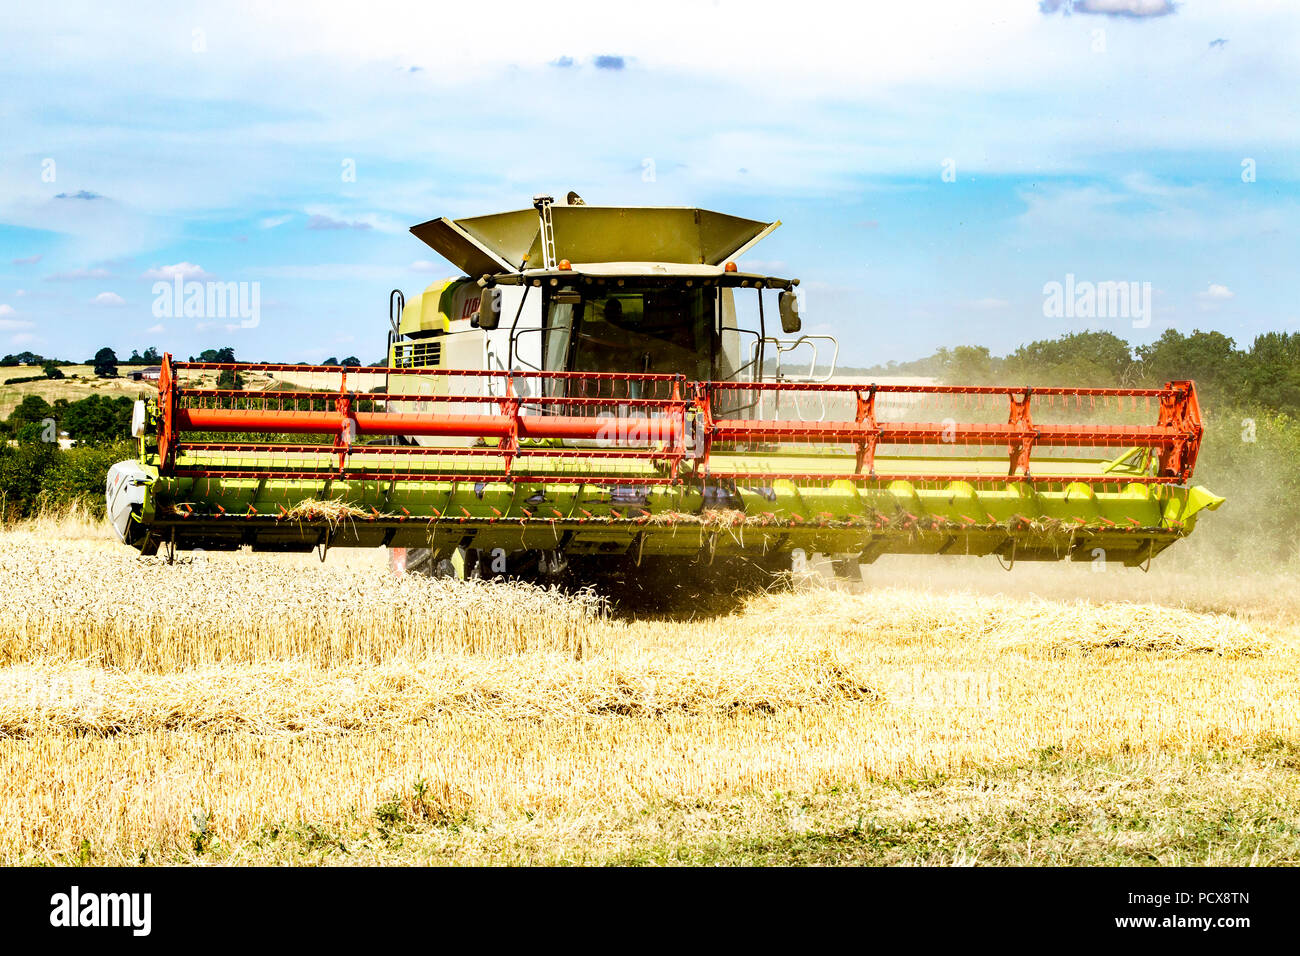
(1100, 138)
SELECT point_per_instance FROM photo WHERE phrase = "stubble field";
(262, 709)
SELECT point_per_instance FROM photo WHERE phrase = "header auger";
(607, 406)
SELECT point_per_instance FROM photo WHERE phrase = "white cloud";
(989, 303)
(6, 309)
(321, 218)
(9, 325)
(181, 270)
(425, 265)
(1141, 209)
(772, 267)
(79, 274)
(1217, 292)
(108, 298)
(20, 293)
(338, 88)
(321, 221)
(24, 338)
(1112, 8)
(1132, 8)
(335, 271)
(155, 329)
(224, 326)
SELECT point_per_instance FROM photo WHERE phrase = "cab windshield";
(650, 331)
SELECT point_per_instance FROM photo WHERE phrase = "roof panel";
(499, 242)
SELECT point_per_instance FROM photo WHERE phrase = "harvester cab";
(606, 387)
(602, 291)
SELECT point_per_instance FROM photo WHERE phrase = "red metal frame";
(676, 430)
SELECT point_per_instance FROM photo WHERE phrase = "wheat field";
(248, 708)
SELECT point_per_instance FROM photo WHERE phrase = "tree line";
(94, 420)
(105, 361)
(1266, 374)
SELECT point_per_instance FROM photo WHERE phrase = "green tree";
(1210, 358)
(31, 410)
(78, 475)
(225, 356)
(1270, 371)
(22, 470)
(105, 363)
(967, 364)
(1079, 358)
(38, 474)
(32, 433)
(98, 419)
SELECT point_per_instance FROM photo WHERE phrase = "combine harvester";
(587, 398)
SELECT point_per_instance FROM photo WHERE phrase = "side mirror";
(788, 305)
(488, 315)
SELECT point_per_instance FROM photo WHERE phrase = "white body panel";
(125, 487)
(466, 347)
